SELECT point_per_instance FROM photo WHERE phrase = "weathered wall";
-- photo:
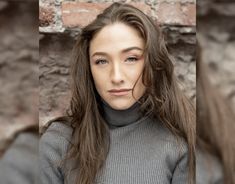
(18, 68)
(60, 21)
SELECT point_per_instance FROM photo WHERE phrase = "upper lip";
(118, 90)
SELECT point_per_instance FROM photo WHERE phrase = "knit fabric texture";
(142, 151)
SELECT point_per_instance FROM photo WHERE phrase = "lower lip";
(121, 93)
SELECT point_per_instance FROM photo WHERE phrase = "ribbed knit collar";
(120, 118)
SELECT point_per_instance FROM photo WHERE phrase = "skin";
(117, 62)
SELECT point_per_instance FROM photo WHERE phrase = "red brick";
(169, 13)
(189, 11)
(176, 14)
(80, 14)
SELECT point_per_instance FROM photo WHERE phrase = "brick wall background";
(60, 22)
(20, 69)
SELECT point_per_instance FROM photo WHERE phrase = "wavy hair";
(163, 98)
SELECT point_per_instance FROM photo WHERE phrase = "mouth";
(119, 92)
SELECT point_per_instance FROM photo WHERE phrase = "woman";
(215, 158)
(128, 120)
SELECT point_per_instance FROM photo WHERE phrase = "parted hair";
(163, 98)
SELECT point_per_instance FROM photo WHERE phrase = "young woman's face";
(117, 63)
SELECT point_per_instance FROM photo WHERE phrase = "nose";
(117, 76)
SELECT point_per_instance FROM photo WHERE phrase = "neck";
(119, 118)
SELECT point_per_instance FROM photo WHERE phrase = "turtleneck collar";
(120, 118)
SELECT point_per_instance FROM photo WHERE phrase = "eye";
(132, 59)
(100, 62)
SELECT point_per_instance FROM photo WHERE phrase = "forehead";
(115, 37)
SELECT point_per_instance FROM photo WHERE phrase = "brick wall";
(61, 21)
(19, 46)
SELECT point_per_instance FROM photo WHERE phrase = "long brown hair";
(163, 98)
(215, 122)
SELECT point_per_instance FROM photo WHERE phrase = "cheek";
(137, 78)
(136, 73)
(140, 86)
(98, 79)
(139, 89)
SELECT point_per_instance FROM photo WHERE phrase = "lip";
(119, 92)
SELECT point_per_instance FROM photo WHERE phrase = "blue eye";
(100, 62)
(132, 59)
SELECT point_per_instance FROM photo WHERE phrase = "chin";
(121, 105)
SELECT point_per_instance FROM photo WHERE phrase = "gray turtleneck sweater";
(142, 151)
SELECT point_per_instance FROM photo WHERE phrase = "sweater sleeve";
(52, 149)
(180, 174)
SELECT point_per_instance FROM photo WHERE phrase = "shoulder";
(165, 136)
(57, 131)
(57, 134)
(53, 146)
(174, 151)
(59, 128)
(172, 148)
(54, 143)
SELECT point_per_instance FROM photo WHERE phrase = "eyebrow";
(123, 51)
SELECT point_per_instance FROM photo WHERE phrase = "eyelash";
(98, 62)
(130, 59)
